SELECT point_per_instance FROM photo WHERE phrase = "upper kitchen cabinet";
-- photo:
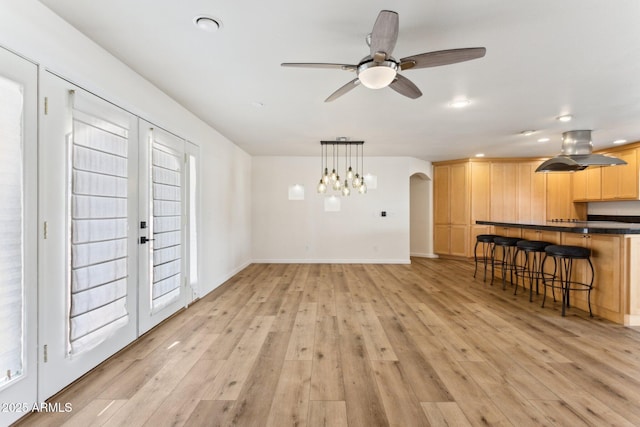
(609, 183)
(531, 193)
(621, 182)
(587, 185)
(517, 192)
(559, 198)
(504, 190)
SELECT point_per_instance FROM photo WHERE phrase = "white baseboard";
(424, 255)
(220, 280)
(331, 261)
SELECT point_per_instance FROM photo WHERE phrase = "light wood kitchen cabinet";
(559, 199)
(504, 190)
(461, 196)
(517, 193)
(542, 236)
(451, 210)
(531, 198)
(587, 185)
(480, 189)
(621, 182)
(608, 291)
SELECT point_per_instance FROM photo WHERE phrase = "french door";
(163, 218)
(114, 210)
(18, 236)
(88, 244)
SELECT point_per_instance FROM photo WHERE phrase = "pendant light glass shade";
(322, 187)
(350, 174)
(356, 181)
(345, 189)
(354, 175)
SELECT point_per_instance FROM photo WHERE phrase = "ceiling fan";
(379, 69)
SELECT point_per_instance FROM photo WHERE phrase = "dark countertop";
(585, 227)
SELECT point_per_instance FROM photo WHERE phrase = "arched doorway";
(421, 216)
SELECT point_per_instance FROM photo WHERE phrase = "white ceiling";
(544, 58)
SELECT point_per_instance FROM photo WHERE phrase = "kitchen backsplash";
(629, 208)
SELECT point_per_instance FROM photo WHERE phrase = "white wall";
(33, 31)
(301, 231)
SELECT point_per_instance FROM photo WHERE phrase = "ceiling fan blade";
(442, 57)
(405, 87)
(348, 67)
(344, 89)
(385, 33)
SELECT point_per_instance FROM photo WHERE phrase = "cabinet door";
(621, 182)
(531, 193)
(594, 184)
(559, 201)
(609, 183)
(580, 185)
(504, 187)
(441, 239)
(606, 254)
(480, 190)
(459, 194)
(441, 194)
(627, 175)
(458, 239)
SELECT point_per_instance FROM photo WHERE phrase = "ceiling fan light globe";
(377, 75)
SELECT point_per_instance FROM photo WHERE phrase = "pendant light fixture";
(354, 179)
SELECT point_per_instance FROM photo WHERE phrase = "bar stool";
(508, 262)
(534, 255)
(563, 257)
(486, 240)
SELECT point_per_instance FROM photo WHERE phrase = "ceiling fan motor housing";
(376, 75)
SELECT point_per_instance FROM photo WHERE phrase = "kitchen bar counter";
(615, 253)
(584, 227)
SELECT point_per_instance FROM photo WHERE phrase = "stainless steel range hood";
(576, 154)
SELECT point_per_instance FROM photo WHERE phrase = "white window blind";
(166, 179)
(11, 237)
(98, 230)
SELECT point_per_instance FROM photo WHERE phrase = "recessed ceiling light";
(527, 132)
(565, 118)
(480, 155)
(619, 141)
(543, 140)
(459, 103)
(207, 23)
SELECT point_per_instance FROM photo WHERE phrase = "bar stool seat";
(486, 240)
(534, 254)
(507, 263)
(563, 256)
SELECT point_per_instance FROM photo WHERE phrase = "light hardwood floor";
(365, 345)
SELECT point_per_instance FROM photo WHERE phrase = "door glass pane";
(98, 231)
(11, 239)
(166, 269)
